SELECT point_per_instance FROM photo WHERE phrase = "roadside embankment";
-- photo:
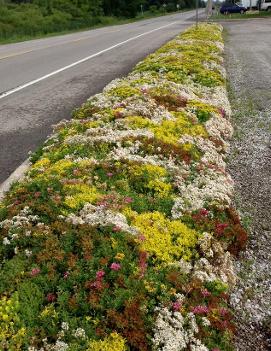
(122, 234)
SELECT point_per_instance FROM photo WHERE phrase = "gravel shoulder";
(248, 61)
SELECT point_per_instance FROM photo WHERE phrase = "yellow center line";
(54, 45)
(15, 54)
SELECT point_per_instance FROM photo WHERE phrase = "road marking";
(15, 54)
(54, 45)
(21, 87)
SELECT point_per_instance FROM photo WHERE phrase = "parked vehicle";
(250, 4)
(229, 8)
(266, 5)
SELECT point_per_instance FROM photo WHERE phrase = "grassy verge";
(104, 22)
(248, 15)
(121, 235)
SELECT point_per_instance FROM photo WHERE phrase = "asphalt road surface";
(42, 81)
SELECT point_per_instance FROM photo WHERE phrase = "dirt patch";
(248, 61)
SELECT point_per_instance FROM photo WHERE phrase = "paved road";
(26, 115)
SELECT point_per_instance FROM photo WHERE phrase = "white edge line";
(14, 177)
(12, 91)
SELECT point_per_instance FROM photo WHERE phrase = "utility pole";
(209, 8)
(197, 13)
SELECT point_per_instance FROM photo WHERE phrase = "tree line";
(32, 17)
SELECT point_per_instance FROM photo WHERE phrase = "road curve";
(42, 81)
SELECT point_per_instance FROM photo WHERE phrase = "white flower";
(65, 326)
(61, 346)
(98, 215)
(208, 186)
(205, 321)
(6, 241)
(28, 253)
(80, 333)
(185, 267)
(173, 332)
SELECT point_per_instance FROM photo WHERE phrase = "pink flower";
(205, 293)
(118, 114)
(100, 274)
(37, 194)
(203, 212)
(116, 229)
(57, 198)
(141, 237)
(121, 104)
(176, 306)
(223, 311)
(143, 257)
(109, 174)
(102, 203)
(115, 266)
(97, 285)
(128, 200)
(224, 324)
(51, 297)
(200, 309)
(216, 349)
(220, 227)
(222, 112)
(66, 274)
(35, 271)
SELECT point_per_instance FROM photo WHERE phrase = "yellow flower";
(114, 342)
(61, 166)
(149, 286)
(44, 162)
(166, 240)
(162, 189)
(49, 311)
(80, 194)
(163, 287)
(10, 334)
(169, 131)
(151, 170)
(173, 291)
(114, 243)
(119, 256)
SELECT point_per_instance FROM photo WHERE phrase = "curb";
(14, 177)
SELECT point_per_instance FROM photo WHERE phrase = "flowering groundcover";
(121, 235)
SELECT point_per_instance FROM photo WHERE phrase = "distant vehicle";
(266, 5)
(229, 8)
(250, 4)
